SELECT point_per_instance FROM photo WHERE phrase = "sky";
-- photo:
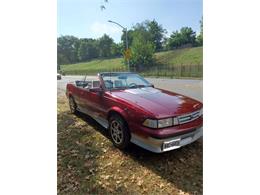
(85, 19)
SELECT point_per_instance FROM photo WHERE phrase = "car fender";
(122, 112)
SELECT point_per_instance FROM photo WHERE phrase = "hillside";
(187, 56)
(176, 63)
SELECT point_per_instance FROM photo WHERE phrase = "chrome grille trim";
(188, 117)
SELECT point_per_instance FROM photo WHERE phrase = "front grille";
(189, 117)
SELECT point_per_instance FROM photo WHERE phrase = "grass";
(88, 163)
(176, 63)
(93, 66)
(187, 56)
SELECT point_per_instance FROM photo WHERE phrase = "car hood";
(158, 102)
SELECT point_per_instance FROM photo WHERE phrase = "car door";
(96, 100)
(86, 99)
(78, 92)
(83, 98)
(100, 107)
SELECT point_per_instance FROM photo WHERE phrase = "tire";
(73, 105)
(119, 132)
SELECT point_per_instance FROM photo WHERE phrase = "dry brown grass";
(88, 163)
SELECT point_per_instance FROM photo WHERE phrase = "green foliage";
(143, 38)
(199, 38)
(62, 59)
(166, 63)
(156, 32)
(105, 45)
(117, 49)
(130, 37)
(87, 50)
(71, 49)
(67, 47)
(186, 36)
(201, 26)
(142, 51)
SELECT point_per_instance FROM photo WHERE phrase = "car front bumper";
(158, 145)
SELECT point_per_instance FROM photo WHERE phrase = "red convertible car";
(133, 110)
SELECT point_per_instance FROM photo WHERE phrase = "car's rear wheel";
(119, 132)
(73, 105)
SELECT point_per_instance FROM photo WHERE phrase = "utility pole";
(126, 40)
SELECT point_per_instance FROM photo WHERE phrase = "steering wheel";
(132, 85)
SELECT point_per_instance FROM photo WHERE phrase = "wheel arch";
(120, 112)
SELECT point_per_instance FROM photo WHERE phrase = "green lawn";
(176, 63)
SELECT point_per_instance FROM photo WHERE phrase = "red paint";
(135, 108)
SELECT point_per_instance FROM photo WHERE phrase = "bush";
(142, 52)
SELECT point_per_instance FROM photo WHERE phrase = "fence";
(176, 71)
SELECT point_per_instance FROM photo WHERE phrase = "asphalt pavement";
(188, 87)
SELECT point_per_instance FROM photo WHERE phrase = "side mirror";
(152, 85)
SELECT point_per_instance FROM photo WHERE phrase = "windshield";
(124, 81)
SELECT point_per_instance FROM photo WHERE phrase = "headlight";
(165, 122)
(162, 123)
(150, 123)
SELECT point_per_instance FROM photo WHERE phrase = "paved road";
(191, 88)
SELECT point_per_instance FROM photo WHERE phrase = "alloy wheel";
(116, 132)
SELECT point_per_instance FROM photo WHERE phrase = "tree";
(199, 39)
(142, 51)
(67, 47)
(156, 33)
(186, 36)
(175, 40)
(130, 37)
(104, 45)
(152, 30)
(87, 49)
(117, 49)
(62, 59)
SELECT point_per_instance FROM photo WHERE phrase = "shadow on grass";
(182, 167)
(77, 164)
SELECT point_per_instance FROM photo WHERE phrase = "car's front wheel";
(119, 132)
